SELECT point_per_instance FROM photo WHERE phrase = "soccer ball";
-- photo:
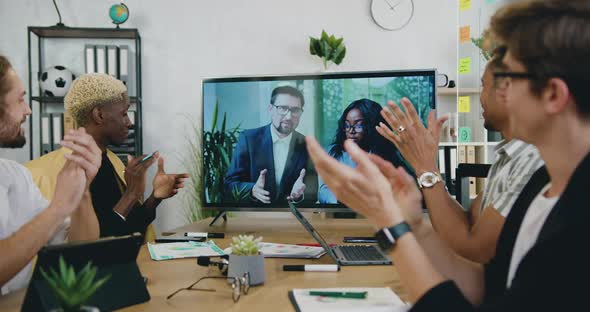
(56, 80)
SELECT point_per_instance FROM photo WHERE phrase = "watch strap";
(387, 237)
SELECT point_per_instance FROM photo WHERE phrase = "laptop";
(344, 254)
(115, 256)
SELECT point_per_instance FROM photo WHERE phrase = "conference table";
(164, 277)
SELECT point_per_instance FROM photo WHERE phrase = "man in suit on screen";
(270, 162)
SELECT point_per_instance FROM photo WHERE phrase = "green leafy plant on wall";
(485, 44)
(70, 289)
(328, 48)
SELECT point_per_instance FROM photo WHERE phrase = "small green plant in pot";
(328, 48)
(72, 290)
(246, 257)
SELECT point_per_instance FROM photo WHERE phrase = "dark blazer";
(552, 276)
(253, 153)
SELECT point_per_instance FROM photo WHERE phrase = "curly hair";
(90, 91)
(372, 141)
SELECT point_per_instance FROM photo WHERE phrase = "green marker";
(340, 294)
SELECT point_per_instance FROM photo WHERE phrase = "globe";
(119, 13)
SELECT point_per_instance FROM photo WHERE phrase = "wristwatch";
(429, 179)
(387, 237)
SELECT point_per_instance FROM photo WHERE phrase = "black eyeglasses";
(502, 79)
(239, 285)
(357, 127)
(283, 110)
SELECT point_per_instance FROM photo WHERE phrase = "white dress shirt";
(280, 150)
(530, 228)
(20, 202)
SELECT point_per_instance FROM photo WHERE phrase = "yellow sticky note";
(464, 5)
(464, 34)
(465, 65)
(464, 106)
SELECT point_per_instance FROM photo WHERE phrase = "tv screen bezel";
(284, 207)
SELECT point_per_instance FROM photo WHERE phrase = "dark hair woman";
(357, 123)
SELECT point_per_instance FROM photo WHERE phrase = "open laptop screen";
(315, 234)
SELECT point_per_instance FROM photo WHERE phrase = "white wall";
(185, 41)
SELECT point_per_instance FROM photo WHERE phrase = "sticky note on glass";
(464, 33)
(464, 134)
(464, 5)
(465, 65)
(464, 105)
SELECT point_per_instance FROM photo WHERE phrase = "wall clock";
(392, 14)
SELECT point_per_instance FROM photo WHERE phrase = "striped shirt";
(516, 161)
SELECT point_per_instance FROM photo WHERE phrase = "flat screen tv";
(254, 155)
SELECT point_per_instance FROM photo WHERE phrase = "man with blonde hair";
(100, 103)
(27, 220)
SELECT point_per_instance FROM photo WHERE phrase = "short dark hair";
(551, 38)
(497, 57)
(286, 90)
(5, 67)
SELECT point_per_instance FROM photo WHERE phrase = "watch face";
(428, 179)
(392, 14)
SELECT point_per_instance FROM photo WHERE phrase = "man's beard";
(10, 139)
(284, 130)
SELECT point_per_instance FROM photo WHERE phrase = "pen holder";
(238, 265)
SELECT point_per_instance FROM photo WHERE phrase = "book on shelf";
(112, 63)
(124, 63)
(470, 151)
(46, 133)
(57, 130)
(90, 58)
(101, 59)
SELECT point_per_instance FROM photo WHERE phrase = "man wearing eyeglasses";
(270, 162)
(474, 234)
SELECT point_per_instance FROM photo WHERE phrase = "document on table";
(272, 250)
(168, 251)
(378, 299)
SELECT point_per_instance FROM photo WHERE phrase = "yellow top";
(46, 168)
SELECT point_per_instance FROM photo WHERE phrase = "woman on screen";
(357, 123)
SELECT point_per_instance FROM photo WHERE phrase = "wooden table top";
(164, 277)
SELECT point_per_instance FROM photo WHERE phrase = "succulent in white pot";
(245, 257)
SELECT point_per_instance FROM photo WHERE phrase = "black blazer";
(553, 274)
(253, 153)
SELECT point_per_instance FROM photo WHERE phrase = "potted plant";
(72, 290)
(328, 48)
(245, 257)
(213, 147)
(486, 45)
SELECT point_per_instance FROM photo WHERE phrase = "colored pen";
(312, 268)
(340, 294)
(204, 234)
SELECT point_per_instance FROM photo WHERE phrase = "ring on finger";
(401, 129)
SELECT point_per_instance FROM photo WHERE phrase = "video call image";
(254, 130)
